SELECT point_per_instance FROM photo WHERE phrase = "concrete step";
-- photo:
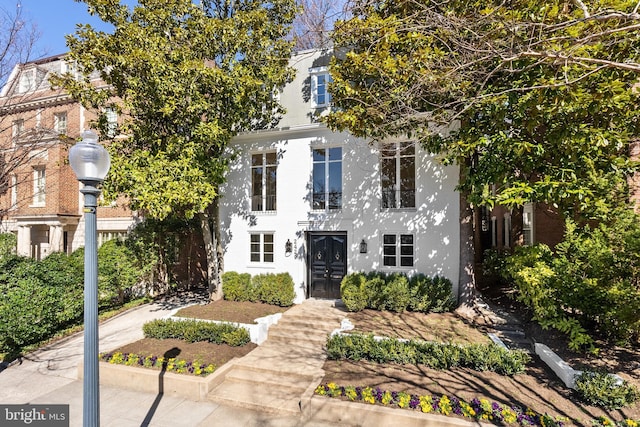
(320, 321)
(258, 397)
(285, 334)
(275, 378)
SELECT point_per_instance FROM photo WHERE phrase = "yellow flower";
(630, 423)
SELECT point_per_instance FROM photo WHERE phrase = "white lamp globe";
(89, 160)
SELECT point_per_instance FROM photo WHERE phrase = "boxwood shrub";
(601, 389)
(276, 289)
(480, 357)
(196, 330)
(238, 287)
(397, 292)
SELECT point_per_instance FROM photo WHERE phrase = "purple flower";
(414, 402)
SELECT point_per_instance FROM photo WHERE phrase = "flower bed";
(481, 410)
(172, 364)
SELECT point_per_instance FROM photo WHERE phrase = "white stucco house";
(319, 204)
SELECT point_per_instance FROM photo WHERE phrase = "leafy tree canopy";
(540, 96)
(186, 77)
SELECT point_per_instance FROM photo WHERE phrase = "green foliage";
(189, 76)
(118, 272)
(602, 389)
(538, 114)
(589, 286)
(238, 287)
(480, 357)
(276, 289)
(352, 291)
(396, 292)
(8, 242)
(196, 330)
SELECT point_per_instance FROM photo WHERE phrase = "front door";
(327, 264)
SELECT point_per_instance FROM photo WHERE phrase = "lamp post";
(90, 162)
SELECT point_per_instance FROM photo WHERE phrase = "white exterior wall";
(434, 221)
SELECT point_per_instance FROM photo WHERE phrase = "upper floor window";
(398, 175)
(27, 81)
(527, 224)
(18, 127)
(263, 181)
(14, 192)
(60, 122)
(320, 79)
(39, 185)
(112, 121)
(327, 178)
(397, 250)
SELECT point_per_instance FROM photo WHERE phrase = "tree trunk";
(466, 283)
(213, 250)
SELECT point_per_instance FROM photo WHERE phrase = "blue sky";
(55, 19)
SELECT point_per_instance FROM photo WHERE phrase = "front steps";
(279, 376)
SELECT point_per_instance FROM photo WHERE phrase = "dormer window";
(27, 81)
(320, 79)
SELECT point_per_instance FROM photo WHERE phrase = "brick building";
(39, 195)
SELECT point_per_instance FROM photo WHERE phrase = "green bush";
(8, 242)
(396, 293)
(602, 389)
(118, 272)
(276, 289)
(480, 357)
(195, 331)
(352, 290)
(589, 286)
(238, 287)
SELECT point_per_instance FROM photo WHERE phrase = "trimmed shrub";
(602, 389)
(276, 289)
(195, 331)
(238, 287)
(8, 242)
(118, 272)
(352, 290)
(374, 288)
(480, 357)
(396, 293)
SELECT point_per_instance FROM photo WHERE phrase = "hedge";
(196, 330)
(275, 289)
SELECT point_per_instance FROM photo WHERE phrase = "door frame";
(308, 236)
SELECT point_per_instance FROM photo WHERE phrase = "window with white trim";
(39, 186)
(263, 181)
(506, 230)
(320, 79)
(14, 191)
(112, 121)
(261, 248)
(398, 175)
(17, 128)
(398, 250)
(60, 122)
(327, 178)
(27, 81)
(527, 224)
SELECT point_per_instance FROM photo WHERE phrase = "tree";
(17, 41)
(535, 100)
(187, 77)
(312, 26)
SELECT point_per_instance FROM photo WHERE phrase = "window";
(397, 250)
(39, 186)
(527, 224)
(112, 121)
(506, 231)
(27, 81)
(261, 249)
(327, 178)
(320, 79)
(494, 231)
(18, 127)
(398, 175)
(105, 236)
(263, 181)
(60, 122)
(14, 192)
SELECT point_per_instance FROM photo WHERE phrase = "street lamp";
(90, 162)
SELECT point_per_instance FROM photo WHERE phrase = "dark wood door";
(327, 264)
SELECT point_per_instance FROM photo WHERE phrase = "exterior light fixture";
(288, 247)
(90, 162)
(363, 247)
